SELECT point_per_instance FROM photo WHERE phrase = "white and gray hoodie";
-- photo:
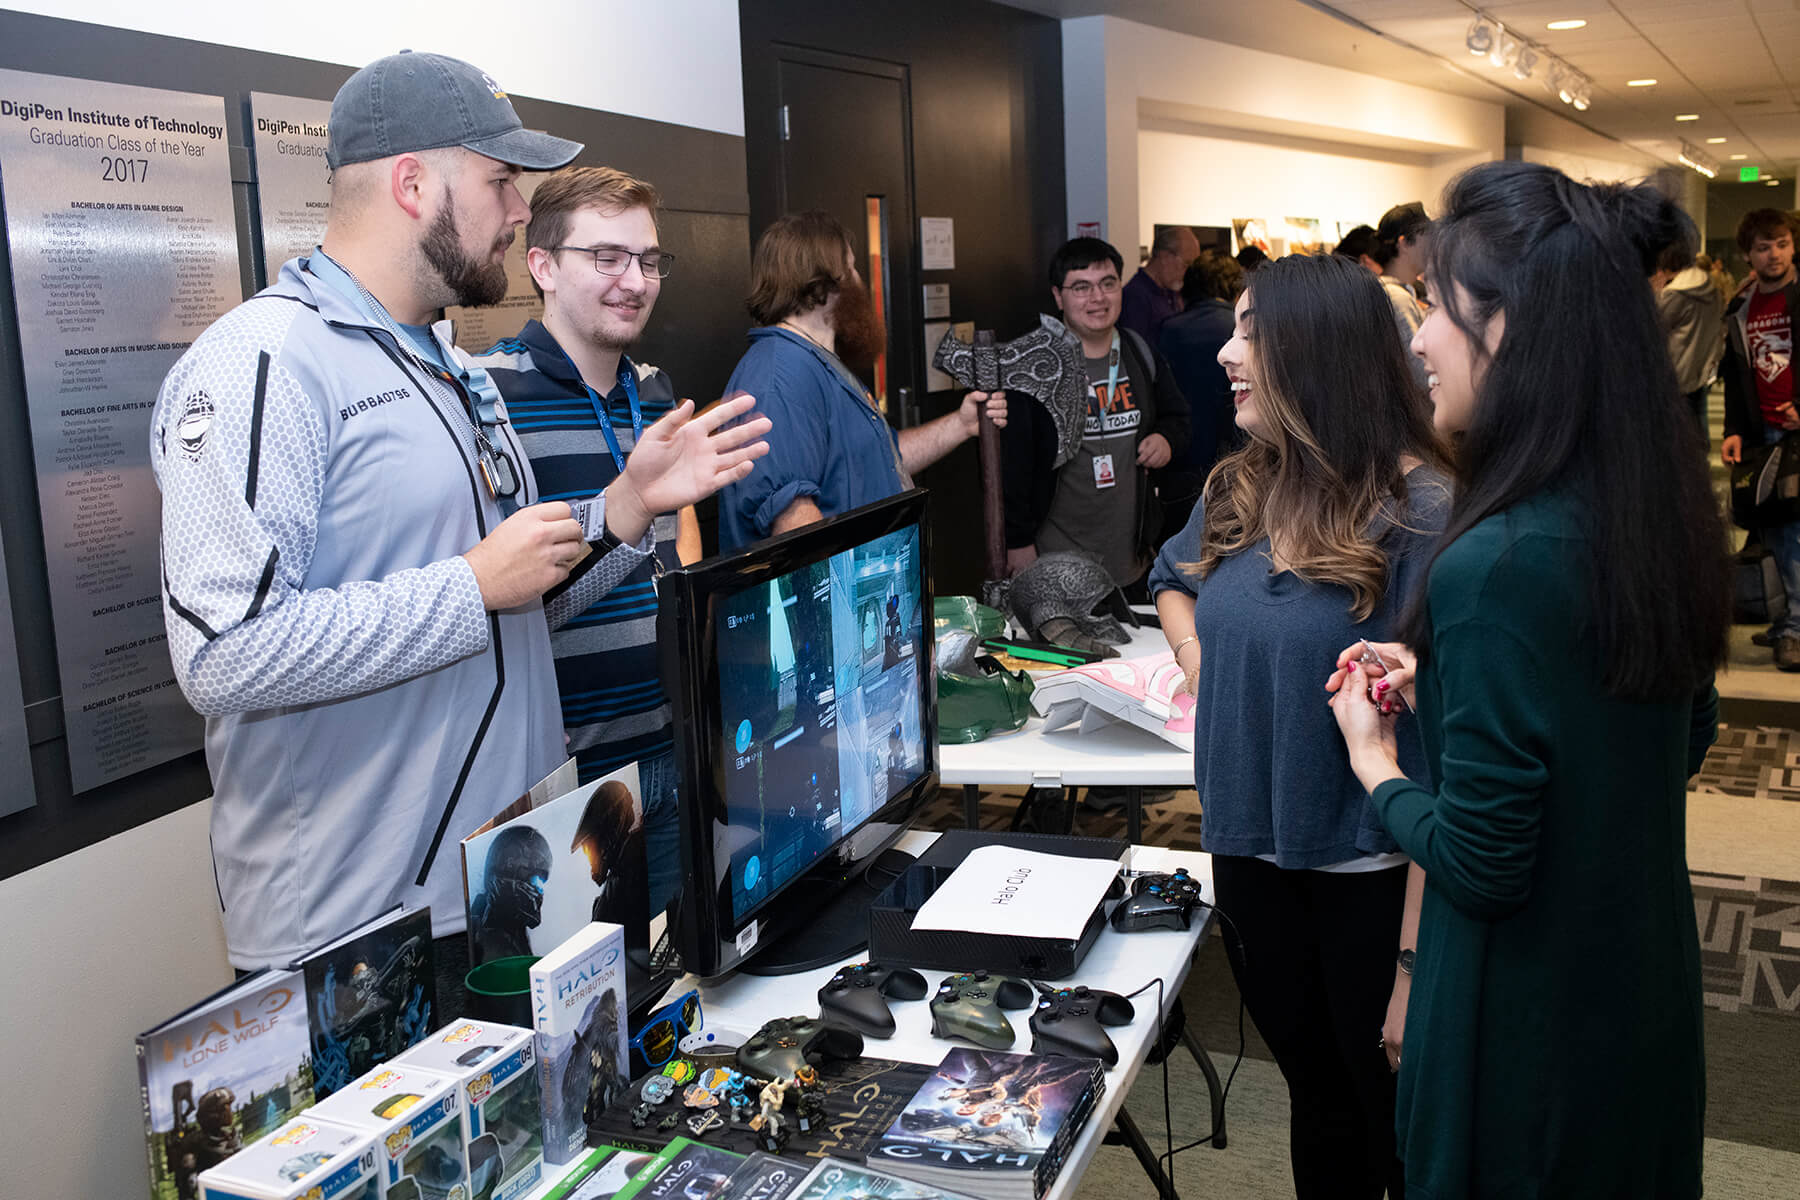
(364, 713)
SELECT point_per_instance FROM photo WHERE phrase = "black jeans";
(1317, 970)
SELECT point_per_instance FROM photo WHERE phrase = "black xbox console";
(894, 942)
(1072, 1021)
(970, 1007)
(858, 996)
(782, 1046)
(1159, 902)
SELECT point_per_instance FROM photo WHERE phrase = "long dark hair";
(1580, 396)
(1341, 408)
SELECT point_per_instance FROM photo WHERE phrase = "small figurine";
(737, 1096)
(701, 1123)
(812, 1097)
(770, 1125)
(640, 1114)
(668, 1122)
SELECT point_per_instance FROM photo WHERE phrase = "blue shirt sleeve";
(1166, 572)
(795, 403)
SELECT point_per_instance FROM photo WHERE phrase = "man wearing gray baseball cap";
(353, 550)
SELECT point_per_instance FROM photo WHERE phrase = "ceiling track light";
(1506, 50)
(1692, 156)
(1481, 36)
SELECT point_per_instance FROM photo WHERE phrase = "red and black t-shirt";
(1769, 341)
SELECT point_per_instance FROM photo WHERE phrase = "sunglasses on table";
(661, 1035)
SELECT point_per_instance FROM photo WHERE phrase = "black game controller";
(968, 1006)
(1159, 902)
(781, 1047)
(858, 996)
(1068, 1021)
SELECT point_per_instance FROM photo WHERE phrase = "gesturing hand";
(526, 555)
(682, 459)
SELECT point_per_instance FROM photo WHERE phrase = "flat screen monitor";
(800, 673)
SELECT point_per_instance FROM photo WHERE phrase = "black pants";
(1697, 401)
(450, 962)
(1316, 971)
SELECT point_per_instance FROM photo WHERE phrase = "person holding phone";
(1307, 536)
(1559, 657)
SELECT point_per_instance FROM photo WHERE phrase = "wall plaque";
(477, 329)
(15, 747)
(124, 248)
(293, 184)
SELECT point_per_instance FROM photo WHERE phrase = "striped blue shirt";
(613, 704)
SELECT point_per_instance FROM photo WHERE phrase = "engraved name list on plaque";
(124, 248)
(293, 184)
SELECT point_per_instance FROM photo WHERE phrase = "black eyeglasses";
(609, 260)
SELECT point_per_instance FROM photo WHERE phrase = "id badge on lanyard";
(1104, 474)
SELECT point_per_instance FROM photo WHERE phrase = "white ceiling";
(1736, 63)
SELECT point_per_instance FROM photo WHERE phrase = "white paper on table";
(1019, 893)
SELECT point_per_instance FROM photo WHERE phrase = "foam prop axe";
(1046, 364)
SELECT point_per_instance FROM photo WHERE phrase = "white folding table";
(1118, 755)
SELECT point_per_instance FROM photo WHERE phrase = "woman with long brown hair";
(1309, 536)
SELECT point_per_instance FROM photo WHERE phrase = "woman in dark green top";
(1565, 644)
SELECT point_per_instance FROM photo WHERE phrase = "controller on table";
(1159, 902)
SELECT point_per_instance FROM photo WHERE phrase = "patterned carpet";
(1763, 762)
(1749, 943)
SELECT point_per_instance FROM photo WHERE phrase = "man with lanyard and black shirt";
(1102, 502)
(1762, 386)
(353, 550)
(594, 257)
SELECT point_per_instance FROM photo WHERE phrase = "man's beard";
(860, 337)
(470, 282)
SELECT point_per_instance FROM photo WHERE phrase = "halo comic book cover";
(369, 995)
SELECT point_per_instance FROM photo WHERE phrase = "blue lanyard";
(1098, 407)
(628, 381)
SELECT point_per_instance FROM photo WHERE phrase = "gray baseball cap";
(407, 102)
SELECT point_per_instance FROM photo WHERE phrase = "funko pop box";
(503, 1127)
(415, 1117)
(303, 1159)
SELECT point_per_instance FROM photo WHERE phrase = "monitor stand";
(838, 930)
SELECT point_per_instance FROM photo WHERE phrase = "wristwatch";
(1406, 961)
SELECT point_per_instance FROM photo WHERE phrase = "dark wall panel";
(987, 139)
(696, 334)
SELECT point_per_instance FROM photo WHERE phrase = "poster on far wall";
(477, 329)
(123, 234)
(1306, 235)
(293, 184)
(1250, 231)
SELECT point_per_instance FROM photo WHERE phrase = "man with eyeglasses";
(354, 550)
(1102, 501)
(579, 404)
